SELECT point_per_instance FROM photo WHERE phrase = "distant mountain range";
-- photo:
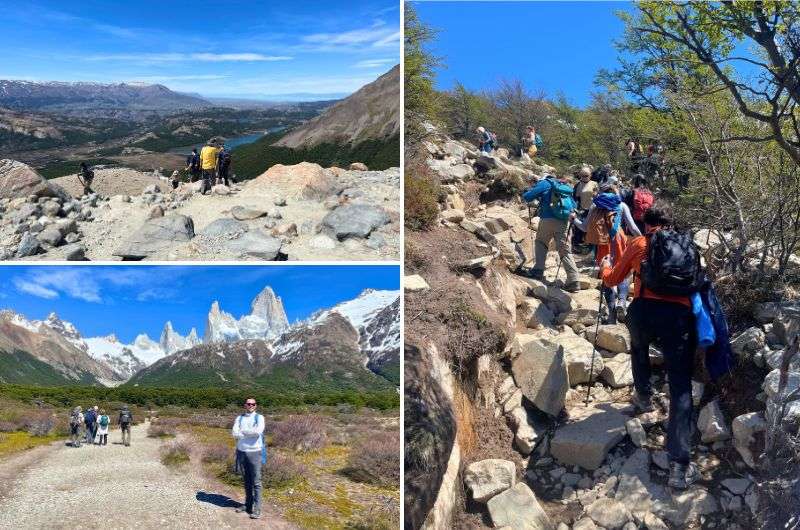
(371, 113)
(60, 96)
(355, 344)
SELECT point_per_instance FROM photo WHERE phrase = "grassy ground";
(15, 442)
(311, 483)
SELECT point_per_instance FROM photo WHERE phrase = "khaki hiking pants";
(548, 230)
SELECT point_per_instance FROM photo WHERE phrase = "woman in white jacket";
(103, 422)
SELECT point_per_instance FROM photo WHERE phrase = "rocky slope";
(513, 445)
(50, 350)
(290, 212)
(371, 113)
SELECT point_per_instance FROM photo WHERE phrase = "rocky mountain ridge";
(60, 96)
(371, 113)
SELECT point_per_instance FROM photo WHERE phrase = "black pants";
(223, 176)
(103, 439)
(208, 177)
(195, 175)
(672, 326)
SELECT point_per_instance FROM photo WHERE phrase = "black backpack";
(225, 159)
(673, 264)
(125, 416)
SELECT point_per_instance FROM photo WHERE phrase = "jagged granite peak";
(220, 326)
(172, 341)
(267, 318)
(192, 339)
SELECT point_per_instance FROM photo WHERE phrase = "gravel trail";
(119, 487)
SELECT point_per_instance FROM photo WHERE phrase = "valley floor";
(116, 487)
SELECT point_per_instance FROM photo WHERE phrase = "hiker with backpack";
(667, 271)
(531, 141)
(584, 193)
(125, 421)
(86, 177)
(639, 199)
(486, 141)
(89, 420)
(603, 226)
(556, 205)
(224, 166)
(208, 163)
(102, 428)
(251, 454)
(75, 422)
(193, 166)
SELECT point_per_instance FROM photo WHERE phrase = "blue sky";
(132, 299)
(262, 49)
(550, 46)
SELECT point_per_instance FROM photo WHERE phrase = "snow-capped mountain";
(172, 341)
(376, 317)
(267, 320)
(120, 357)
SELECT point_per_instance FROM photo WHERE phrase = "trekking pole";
(594, 347)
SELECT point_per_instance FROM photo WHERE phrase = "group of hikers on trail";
(673, 304)
(531, 142)
(213, 164)
(92, 426)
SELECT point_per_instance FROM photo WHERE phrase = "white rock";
(487, 478)
(711, 423)
(636, 432)
(414, 283)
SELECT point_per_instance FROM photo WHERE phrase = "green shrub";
(376, 460)
(420, 198)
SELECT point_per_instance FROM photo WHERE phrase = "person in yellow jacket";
(208, 163)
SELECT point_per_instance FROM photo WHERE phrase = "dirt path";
(116, 487)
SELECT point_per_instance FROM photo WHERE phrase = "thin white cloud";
(186, 57)
(156, 293)
(34, 289)
(374, 63)
(377, 35)
(164, 78)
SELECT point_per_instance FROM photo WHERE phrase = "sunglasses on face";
(250, 404)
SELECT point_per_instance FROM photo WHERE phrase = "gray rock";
(744, 428)
(661, 459)
(285, 230)
(355, 220)
(711, 423)
(156, 235)
(275, 213)
(20, 180)
(280, 201)
(587, 441)
(453, 215)
(243, 213)
(737, 486)
(25, 211)
(614, 338)
(525, 434)
(617, 371)
(584, 524)
(28, 245)
(787, 322)
(636, 432)
(415, 282)
(51, 236)
(651, 522)
(255, 244)
(352, 193)
(541, 372)
(487, 478)
(151, 189)
(685, 506)
(224, 228)
(518, 508)
(609, 513)
(748, 342)
(376, 241)
(73, 252)
(72, 237)
(67, 226)
(155, 212)
(578, 356)
(51, 208)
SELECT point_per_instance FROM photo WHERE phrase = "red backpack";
(642, 201)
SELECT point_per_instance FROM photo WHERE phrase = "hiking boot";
(536, 274)
(611, 319)
(620, 313)
(642, 403)
(682, 476)
(255, 515)
(572, 287)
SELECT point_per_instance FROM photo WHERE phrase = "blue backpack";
(263, 442)
(561, 201)
(537, 141)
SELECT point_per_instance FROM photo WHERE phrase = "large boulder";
(578, 355)
(533, 313)
(487, 478)
(20, 180)
(787, 322)
(586, 441)
(301, 181)
(518, 508)
(609, 513)
(255, 244)
(617, 371)
(525, 434)
(245, 213)
(355, 220)
(540, 371)
(613, 337)
(157, 235)
(224, 228)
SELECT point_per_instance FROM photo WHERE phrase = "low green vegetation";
(251, 160)
(61, 168)
(215, 398)
(19, 367)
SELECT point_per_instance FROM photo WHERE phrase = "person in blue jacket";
(556, 207)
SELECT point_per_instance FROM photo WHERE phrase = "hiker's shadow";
(223, 501)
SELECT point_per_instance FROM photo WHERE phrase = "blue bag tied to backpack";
(263, 442)
(706, 336)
